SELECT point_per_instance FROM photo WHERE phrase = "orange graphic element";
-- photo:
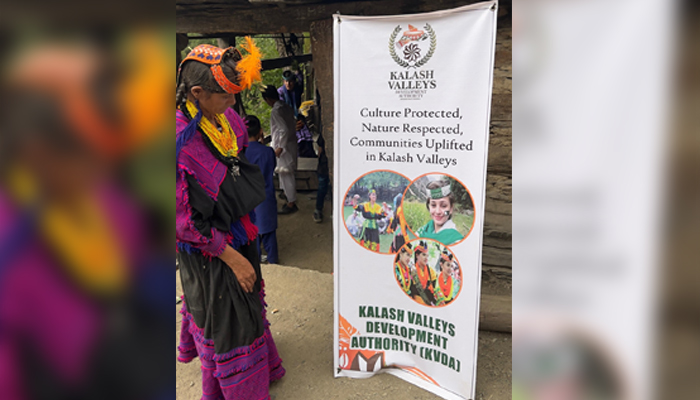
(356, 360)
(346, 331)
(415, 371)
(411, 35)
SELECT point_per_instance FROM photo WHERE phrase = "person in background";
(224, 320)
(292, 89)
(305, 140)
(323, 179)
(266, 212)
(384, 222)
(354, 223)
(284, 143)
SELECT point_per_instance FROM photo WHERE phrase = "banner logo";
(412, 48)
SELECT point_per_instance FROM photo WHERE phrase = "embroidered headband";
(372, 191)
(439, 192)
(248, 67)
(421, 248)
(445, 257)
(407, 249)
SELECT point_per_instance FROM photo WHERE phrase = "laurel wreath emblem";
(422, 61)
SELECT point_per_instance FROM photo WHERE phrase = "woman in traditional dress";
(423, 277)
(448, 286)
(224, 321)
(403, 269)
(371, 212)
(440, 204)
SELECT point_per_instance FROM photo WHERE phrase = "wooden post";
(496, 314)
(322, 49)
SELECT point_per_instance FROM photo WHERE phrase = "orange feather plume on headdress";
(249, 67)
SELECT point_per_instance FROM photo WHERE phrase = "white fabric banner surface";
(412, 108)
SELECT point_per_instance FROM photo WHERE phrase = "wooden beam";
(284, 2)
(225, 16)
(274, 63)
(496, 314)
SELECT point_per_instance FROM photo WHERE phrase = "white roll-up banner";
(412, 108)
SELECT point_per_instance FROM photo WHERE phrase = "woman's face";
(447, 267)
(440, 211)
(373, 197)
(405, 258)
(216, 103)
(422, 258)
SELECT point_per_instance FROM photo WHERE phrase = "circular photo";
(428, 272)
(439, 207)
(369, 209)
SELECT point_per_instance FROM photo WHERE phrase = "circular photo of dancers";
(370, 210)
(439, 207)
(428, 272)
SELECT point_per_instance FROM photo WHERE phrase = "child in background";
(266, 213)
(305, 140)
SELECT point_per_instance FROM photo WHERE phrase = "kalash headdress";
(422, 248)
(248, 67)
(407, 248)
(445, 257)
(439, 193)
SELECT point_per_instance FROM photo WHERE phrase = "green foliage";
(387, 184)
(463, 201)
(416, 214)
(464, 222)
(383, 179)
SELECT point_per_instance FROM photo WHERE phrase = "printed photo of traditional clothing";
(428, 273)
(370, 211)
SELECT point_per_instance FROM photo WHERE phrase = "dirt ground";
(303, 325)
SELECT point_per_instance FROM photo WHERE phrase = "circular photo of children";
(369, 209)
(428, 272)
(439, 207)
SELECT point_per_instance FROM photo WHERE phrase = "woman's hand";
(241, 267)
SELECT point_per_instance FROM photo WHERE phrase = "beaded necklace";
(224, 140)
(447, 286)
(404, 276)
(423, 274)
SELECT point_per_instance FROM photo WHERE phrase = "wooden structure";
(228, 18)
